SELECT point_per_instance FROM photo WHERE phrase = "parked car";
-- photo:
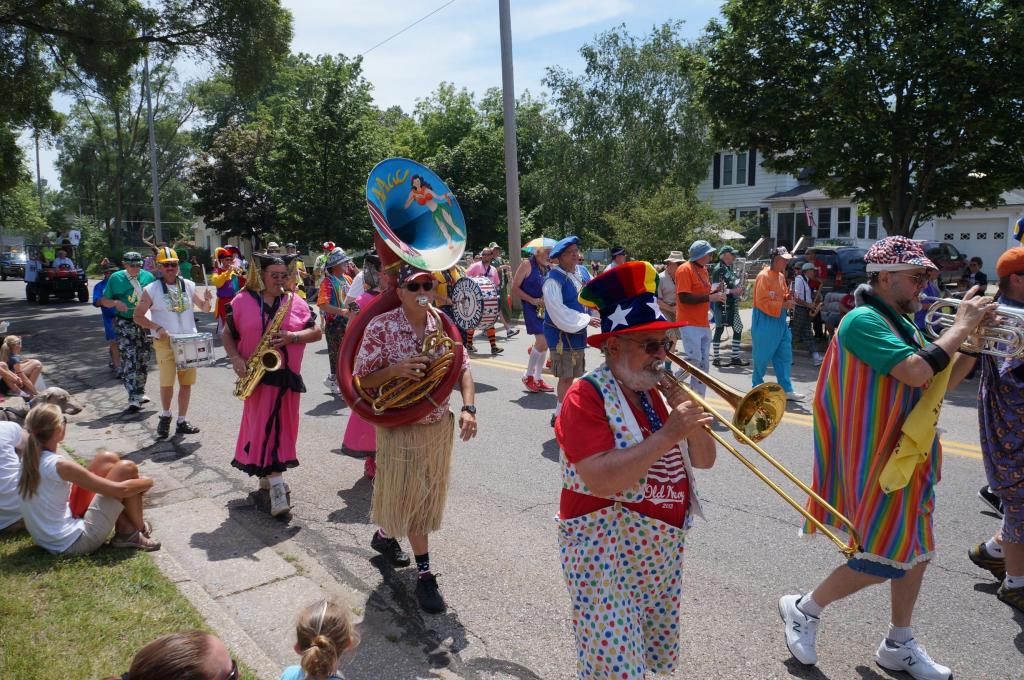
(951, 262)
(12, 264)
(845, 264)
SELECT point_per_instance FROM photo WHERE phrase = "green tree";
(912, 108)
(44, 42)
(629, 123)
(19, 210)
(658, 220)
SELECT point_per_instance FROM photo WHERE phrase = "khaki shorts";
(99, 521)
(569, 363)
(165, 360)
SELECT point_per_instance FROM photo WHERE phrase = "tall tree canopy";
(43, 42)
(628, 124)
(913, 108)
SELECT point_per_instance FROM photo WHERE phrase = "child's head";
(12, 344)
(188, 655)
(324, 632)
(44, 423)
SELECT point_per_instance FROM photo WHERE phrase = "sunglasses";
(169, 265)
(652, 346)
(414, 286)
(919, 278)
(132, 264)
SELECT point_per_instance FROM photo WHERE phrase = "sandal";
(136, 540)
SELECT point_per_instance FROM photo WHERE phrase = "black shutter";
(751, 166)
(716, 172)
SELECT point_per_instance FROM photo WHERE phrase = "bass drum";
(474, 303)
(385, 302)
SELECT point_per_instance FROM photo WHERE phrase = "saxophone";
(264, 358)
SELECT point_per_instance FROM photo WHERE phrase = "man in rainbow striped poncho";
(876, 370)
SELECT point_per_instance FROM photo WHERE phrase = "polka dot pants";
(623, 571)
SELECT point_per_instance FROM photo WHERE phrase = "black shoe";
(1011, 596)
(185, 427)
(513, 332)
(991, 500)
(391, 549)
(553, 416)
(739, 362)
(982, 558)
(470, 348)
(716, 362)
(163, 428)
(428, 595)
(495, 350)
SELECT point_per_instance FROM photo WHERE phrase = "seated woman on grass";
(45, 485)
(26, 372)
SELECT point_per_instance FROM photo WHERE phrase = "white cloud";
(535, 20)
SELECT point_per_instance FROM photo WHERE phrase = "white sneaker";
(795, 396)
(278, 500)
(911, 658)
(801, 630)
(816, 358)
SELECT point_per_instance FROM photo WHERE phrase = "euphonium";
(264, 358)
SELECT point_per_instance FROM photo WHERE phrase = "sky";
(459, 43)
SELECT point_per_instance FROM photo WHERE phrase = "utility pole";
(157, 233)
(508, 101)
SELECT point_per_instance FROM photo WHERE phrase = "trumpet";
(755, 415)
(1003, 338)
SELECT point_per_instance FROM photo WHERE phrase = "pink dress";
(270, 417)
(360, 435)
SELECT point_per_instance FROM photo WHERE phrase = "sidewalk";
(248, 592)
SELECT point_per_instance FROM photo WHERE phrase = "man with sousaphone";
(630, 439)
(877, 458)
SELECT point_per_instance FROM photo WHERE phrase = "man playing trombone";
(628, 491)
(877, 369)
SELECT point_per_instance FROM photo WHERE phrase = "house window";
(824, 223)
(727, 162)
(867, 227)
(741, 168)
(843, 222)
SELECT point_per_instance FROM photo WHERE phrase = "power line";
(392, 37)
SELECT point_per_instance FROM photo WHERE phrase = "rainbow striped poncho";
(858, 413)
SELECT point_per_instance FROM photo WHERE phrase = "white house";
(737, 182)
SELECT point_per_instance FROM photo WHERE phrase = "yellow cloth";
(918, 434)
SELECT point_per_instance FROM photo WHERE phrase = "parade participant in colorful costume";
(771, 339)
(565, 318)
(695, 294)
(413, 460)
(267, 436)
(727, 314)
(484, 267)
(1001, 417)
(877, 369)
(628, 490)
(123, 292)
(331, 301)
(528, 287)
(228, 280)
(169, 301)
(109, 315)
(321, 259)
(302, 276)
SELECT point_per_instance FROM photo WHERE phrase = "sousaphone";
(417, 221)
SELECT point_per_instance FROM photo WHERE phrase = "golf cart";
(44, 280)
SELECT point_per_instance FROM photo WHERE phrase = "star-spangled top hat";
(626, 298)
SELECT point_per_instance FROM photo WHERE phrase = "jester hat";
(626, 298)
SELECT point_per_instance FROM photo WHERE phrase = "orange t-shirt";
(696, 280)
(770, 291)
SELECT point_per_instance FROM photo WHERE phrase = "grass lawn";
(82, 617)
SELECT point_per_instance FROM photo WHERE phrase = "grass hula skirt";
(411, 485)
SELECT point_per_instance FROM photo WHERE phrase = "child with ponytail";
(325, 633)
(44, 486)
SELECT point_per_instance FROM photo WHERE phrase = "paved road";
(496, 555)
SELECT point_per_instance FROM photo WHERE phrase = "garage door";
(984, 237)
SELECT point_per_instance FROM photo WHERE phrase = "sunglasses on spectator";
(415, 286)
(652, 346)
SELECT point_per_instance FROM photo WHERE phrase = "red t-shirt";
(582, 431)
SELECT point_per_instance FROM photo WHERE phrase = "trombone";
(756, 414)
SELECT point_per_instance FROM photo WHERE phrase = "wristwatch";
(470, 409)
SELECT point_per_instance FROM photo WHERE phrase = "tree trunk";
(118, 175)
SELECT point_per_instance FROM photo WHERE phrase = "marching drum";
(474, 303)
(192, 350)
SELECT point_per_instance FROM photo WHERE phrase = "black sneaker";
(495, 350)
(982, 558)
(428, 595)
(163, 428)
(185, 427)
(716, 362)
(391, 549)
(1011, 596)
(739, 362)
(991, 500)
(513, 332)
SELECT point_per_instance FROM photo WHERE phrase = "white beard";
(643, 380)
